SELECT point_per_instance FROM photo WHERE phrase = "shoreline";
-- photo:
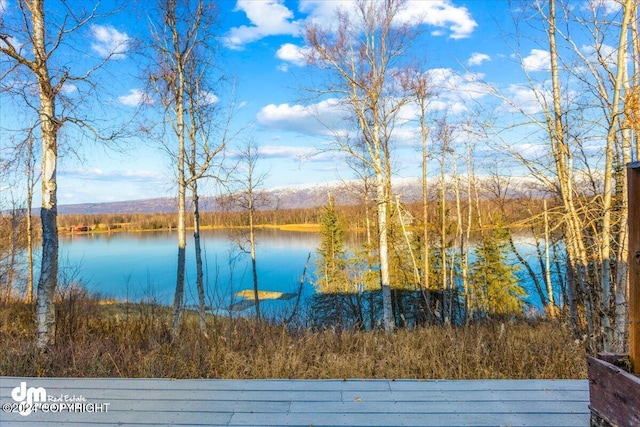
(303, 228)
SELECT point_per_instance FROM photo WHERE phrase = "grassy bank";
(98, 340)
(134, 228)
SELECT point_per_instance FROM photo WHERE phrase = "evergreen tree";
(496, 287)
(331, 265)
(335, 302)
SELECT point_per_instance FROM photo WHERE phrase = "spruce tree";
(331, 264)
(330, 304)
(496, 286)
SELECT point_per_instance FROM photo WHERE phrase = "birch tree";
(180, 44)
(205, 147)
(605, 77)
(31, 180)
(32, 43)
(445, 134)
(10, 249)
(248, 199)
(18, 162)
(562, 156)
(359, 55)
(418, 85)
(582, 93)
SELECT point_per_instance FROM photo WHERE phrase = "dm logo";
(28, 397)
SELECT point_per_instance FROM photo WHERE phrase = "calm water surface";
(142, 266)
(135, 266)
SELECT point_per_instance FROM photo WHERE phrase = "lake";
(142, 266)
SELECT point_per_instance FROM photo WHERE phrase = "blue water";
(142, 266)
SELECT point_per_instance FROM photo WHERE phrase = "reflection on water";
(135, 266)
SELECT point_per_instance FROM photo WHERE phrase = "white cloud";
(532, 99)
(441, 14)
(293, 54)
(208, 98)
(452, 93)
(100, 185)
(523, 98)
(607, 54)
(316, 119)
(478, 58)
(268, 18)
(279, 152)
(322, 12)
(68, 88)
(608, 6)
(136, 97)
(448, 91)
(532, 150)
(12, 41)
(538, 60)
(109, 42)
(97, 174)
(272, 17)
(449, 85)
(284, 152)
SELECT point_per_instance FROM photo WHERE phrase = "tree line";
(583, 134)
(580, 128)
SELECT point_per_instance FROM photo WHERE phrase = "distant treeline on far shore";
(354, 216)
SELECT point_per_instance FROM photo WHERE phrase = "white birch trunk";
(562, 157)
(426, 265)
(178, 299)
(607, 196)
(45, 310)
(30, 185)
(385, 279)
(552, 309)
(195, 199)
(252, 243)
(443, 233)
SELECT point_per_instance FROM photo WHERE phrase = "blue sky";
(464, 45)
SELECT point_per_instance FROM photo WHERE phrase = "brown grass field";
(118, 340)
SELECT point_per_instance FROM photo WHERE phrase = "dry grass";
(96, 340)
(311, 228)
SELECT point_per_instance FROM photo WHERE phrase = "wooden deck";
(161, 402)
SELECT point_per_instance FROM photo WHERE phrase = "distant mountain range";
(296, 197)
(281, 198)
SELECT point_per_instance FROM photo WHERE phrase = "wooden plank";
(311, 395)
(385, 419)
(467, 395)
(215, 395)
(614, 393)
(136, 418)
(204, 384)
(210, 406)
(399, 385)
(469, 407)
(271, 384)
(633, 297)
(160, 402)
(100, 384)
